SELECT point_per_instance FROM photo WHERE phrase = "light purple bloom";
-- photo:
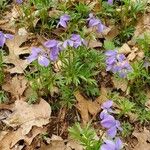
(117, 63)
(110, 2)
(75, 41)
(106, 106)
(108, 122)
(3, 38)
(40, 55)
(94, 22)
(112, 145)
(111, 125)
(19, 1)
(104, 114)
(54, 47)
(111, 53)
(68, 43)
(64, 20)
(111, 132)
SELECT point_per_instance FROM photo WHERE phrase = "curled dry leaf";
(125, 49)
(73, 145)
(143, 138)
(112, 33)
(143, 26)
(16, 86)
(135, 54)
(15, 50)
(26, 116)
(4, 113)
(85, 107)
(57, 143)
(94, 44)
(10, 139)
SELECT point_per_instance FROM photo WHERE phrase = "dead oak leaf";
(142, 27)
(73, 145)
(10, 139)
(125, 49)
(87, 107)
(15, 50)
(57, 143)
(26, 116)
(143, 138)
(135, 54)
(112, 33)
(94, 44)
(16, 86)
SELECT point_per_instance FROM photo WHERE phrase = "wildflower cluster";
(54, 47)
(92, 22)
(112, 125)
(117, 63)
(4, 37)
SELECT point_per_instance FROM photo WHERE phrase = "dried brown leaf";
(26, 116)
(112, 33)
(94, 44)
(73, 145)
(125, 49)
(85, 107)
(15, 50)
(142, 137)
(16, 86)
(11, 138)
(135, 54)
(143, 26)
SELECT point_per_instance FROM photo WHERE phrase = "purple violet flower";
(94, 22)
(117, 63)
(112, 145)
(106, 106)
(54, 47)
(110, 2)
(40, 55)
(64, 20)
(19, 1)
(111, 132)
(111, 125)
(108, 121)
(3, 38)
(75, 41)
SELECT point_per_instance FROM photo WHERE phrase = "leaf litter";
(15, 50)
(28, 121)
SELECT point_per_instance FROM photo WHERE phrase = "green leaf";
(109, 45)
